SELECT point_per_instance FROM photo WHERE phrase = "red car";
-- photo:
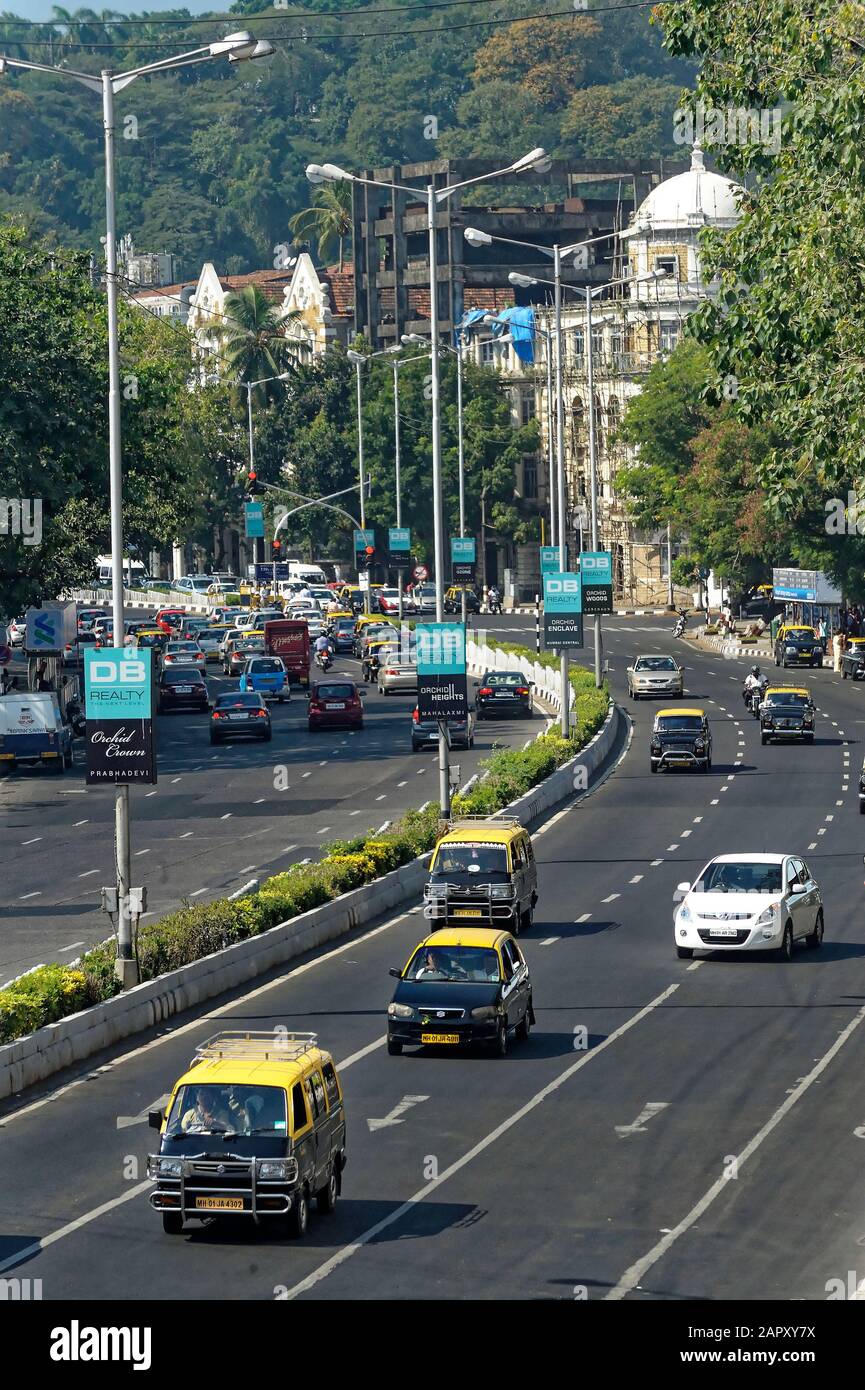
(334, 704)
(168, 620)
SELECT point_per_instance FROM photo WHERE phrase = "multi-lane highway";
(218, 818)
(672, 1130)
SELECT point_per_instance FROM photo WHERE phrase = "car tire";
(394, 1049)
(764, 738)
(815, 940)
(525, 1028)
(652, 766)
(298, 1217)
(685, 952)
(785, 950)
(525, 922)
(501, 1043)
(326, 1196)
(709, 763)
(67, 759)
(172, 1223)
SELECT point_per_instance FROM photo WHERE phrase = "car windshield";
(182, 647)
(797, 638)
(251, 644)
(238, 701)
(680, 724)
(334, 692)
(744, 877)
(787, 698)
(211, 1109)
(504, 678)
(182, 675)
(458, 963)
(654, 663)
(345, 625)
(471, 859)
(150, 639)
(265, 664)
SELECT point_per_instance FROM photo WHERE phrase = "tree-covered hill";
(211, 160)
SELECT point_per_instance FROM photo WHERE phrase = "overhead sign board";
(118, 705)
(596, 573)
(441, 668)
(399, 547)
(563, 610)
(253, 513)
(264, 573)
(363, 538)
(805, 586)
(463, 559)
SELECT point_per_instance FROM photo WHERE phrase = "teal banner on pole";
(254, 516)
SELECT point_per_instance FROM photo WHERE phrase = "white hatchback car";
(749, 902)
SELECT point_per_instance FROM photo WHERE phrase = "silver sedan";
(655, 675)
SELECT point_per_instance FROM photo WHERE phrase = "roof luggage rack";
(266, 1046)
(495, 820)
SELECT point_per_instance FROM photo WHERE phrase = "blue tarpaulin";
(520, 323)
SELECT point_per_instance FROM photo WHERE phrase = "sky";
(41, 9)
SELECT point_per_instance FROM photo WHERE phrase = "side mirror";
(797, 888)
(683, 887)
(154, 1119)
(397, 974)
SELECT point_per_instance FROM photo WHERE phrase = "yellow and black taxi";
(255, 1127)
(786, 711)
(797, 645)
(483, 872)
(681, 737)
(853, 659)
(459, 988)
(453, 599)
(352, 597)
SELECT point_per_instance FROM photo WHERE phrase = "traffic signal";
(252, 483)
(275, 549)
(365, 557)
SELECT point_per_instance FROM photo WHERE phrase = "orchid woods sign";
(118, 695)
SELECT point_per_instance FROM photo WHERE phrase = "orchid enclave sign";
(118, 704)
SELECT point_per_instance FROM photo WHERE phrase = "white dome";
(691, 199)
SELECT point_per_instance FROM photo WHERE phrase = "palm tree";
(329, 218)
(254, 345)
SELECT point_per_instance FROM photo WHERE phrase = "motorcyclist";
(753, 682)
(495, 599)
(323, 645)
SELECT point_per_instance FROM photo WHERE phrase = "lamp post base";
(126, 972)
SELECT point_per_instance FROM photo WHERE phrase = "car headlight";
(170, 1167)
(684, 914)
(485, 1013)
(502, 890)
(767, 915)
(790, 651)
(400, 1011)
(273, 1168)
(699, 745)
(435, 890)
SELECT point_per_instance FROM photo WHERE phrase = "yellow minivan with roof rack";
(483, 874)
(255, 1127)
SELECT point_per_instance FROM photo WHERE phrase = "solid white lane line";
(288, 849)
(198, 892)
(428, 1188)
(24, 896)
(186, 834)
(324, 829)
(550, 941)
(355, 813)
(38, 1246)
(175, 779)
(152, 794)
(402, 784)
(139, 852)
(637, 1272)
(61, 950)
(247, 869)
(88, 873)
(76, 823)
(35, 839)
(382, 797)
(306, 774)
(227, 816)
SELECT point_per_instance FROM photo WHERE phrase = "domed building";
(633, 326)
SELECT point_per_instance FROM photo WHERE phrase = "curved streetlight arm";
(315, 503)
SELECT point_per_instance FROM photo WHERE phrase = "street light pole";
(397, 480)
(236, 47)
(551, 455)
(565, 688)
(461, 460)
(358, 359)
(593, 471)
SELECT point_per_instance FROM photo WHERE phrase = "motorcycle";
(324, 660)
(753, 696)
(679, 628)
(495, 604)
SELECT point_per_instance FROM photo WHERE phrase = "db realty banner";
(441, 670)
(563, 610)
(118, 705)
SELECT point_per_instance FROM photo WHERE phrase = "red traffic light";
(370, 551)
(277, 545)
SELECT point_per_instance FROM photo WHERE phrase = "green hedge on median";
(55, 991)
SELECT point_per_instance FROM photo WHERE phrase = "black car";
(681, 738)
(853, 660)
(453, 601)
(425, 732)
(458, 993)
(181, 686)
(503, 692)
(798, 646)
(240, 715)
(786, 714)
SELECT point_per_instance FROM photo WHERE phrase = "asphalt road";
(217, 819)
(672, 1129)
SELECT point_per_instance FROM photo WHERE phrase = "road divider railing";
(60, 1014)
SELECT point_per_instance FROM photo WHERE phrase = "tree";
(547, 59)
(624, 119)
(329, 219)
(254, 345)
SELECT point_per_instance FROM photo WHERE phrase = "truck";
(288, 638)
(32, 732)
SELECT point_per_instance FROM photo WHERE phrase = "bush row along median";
(55, 991)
